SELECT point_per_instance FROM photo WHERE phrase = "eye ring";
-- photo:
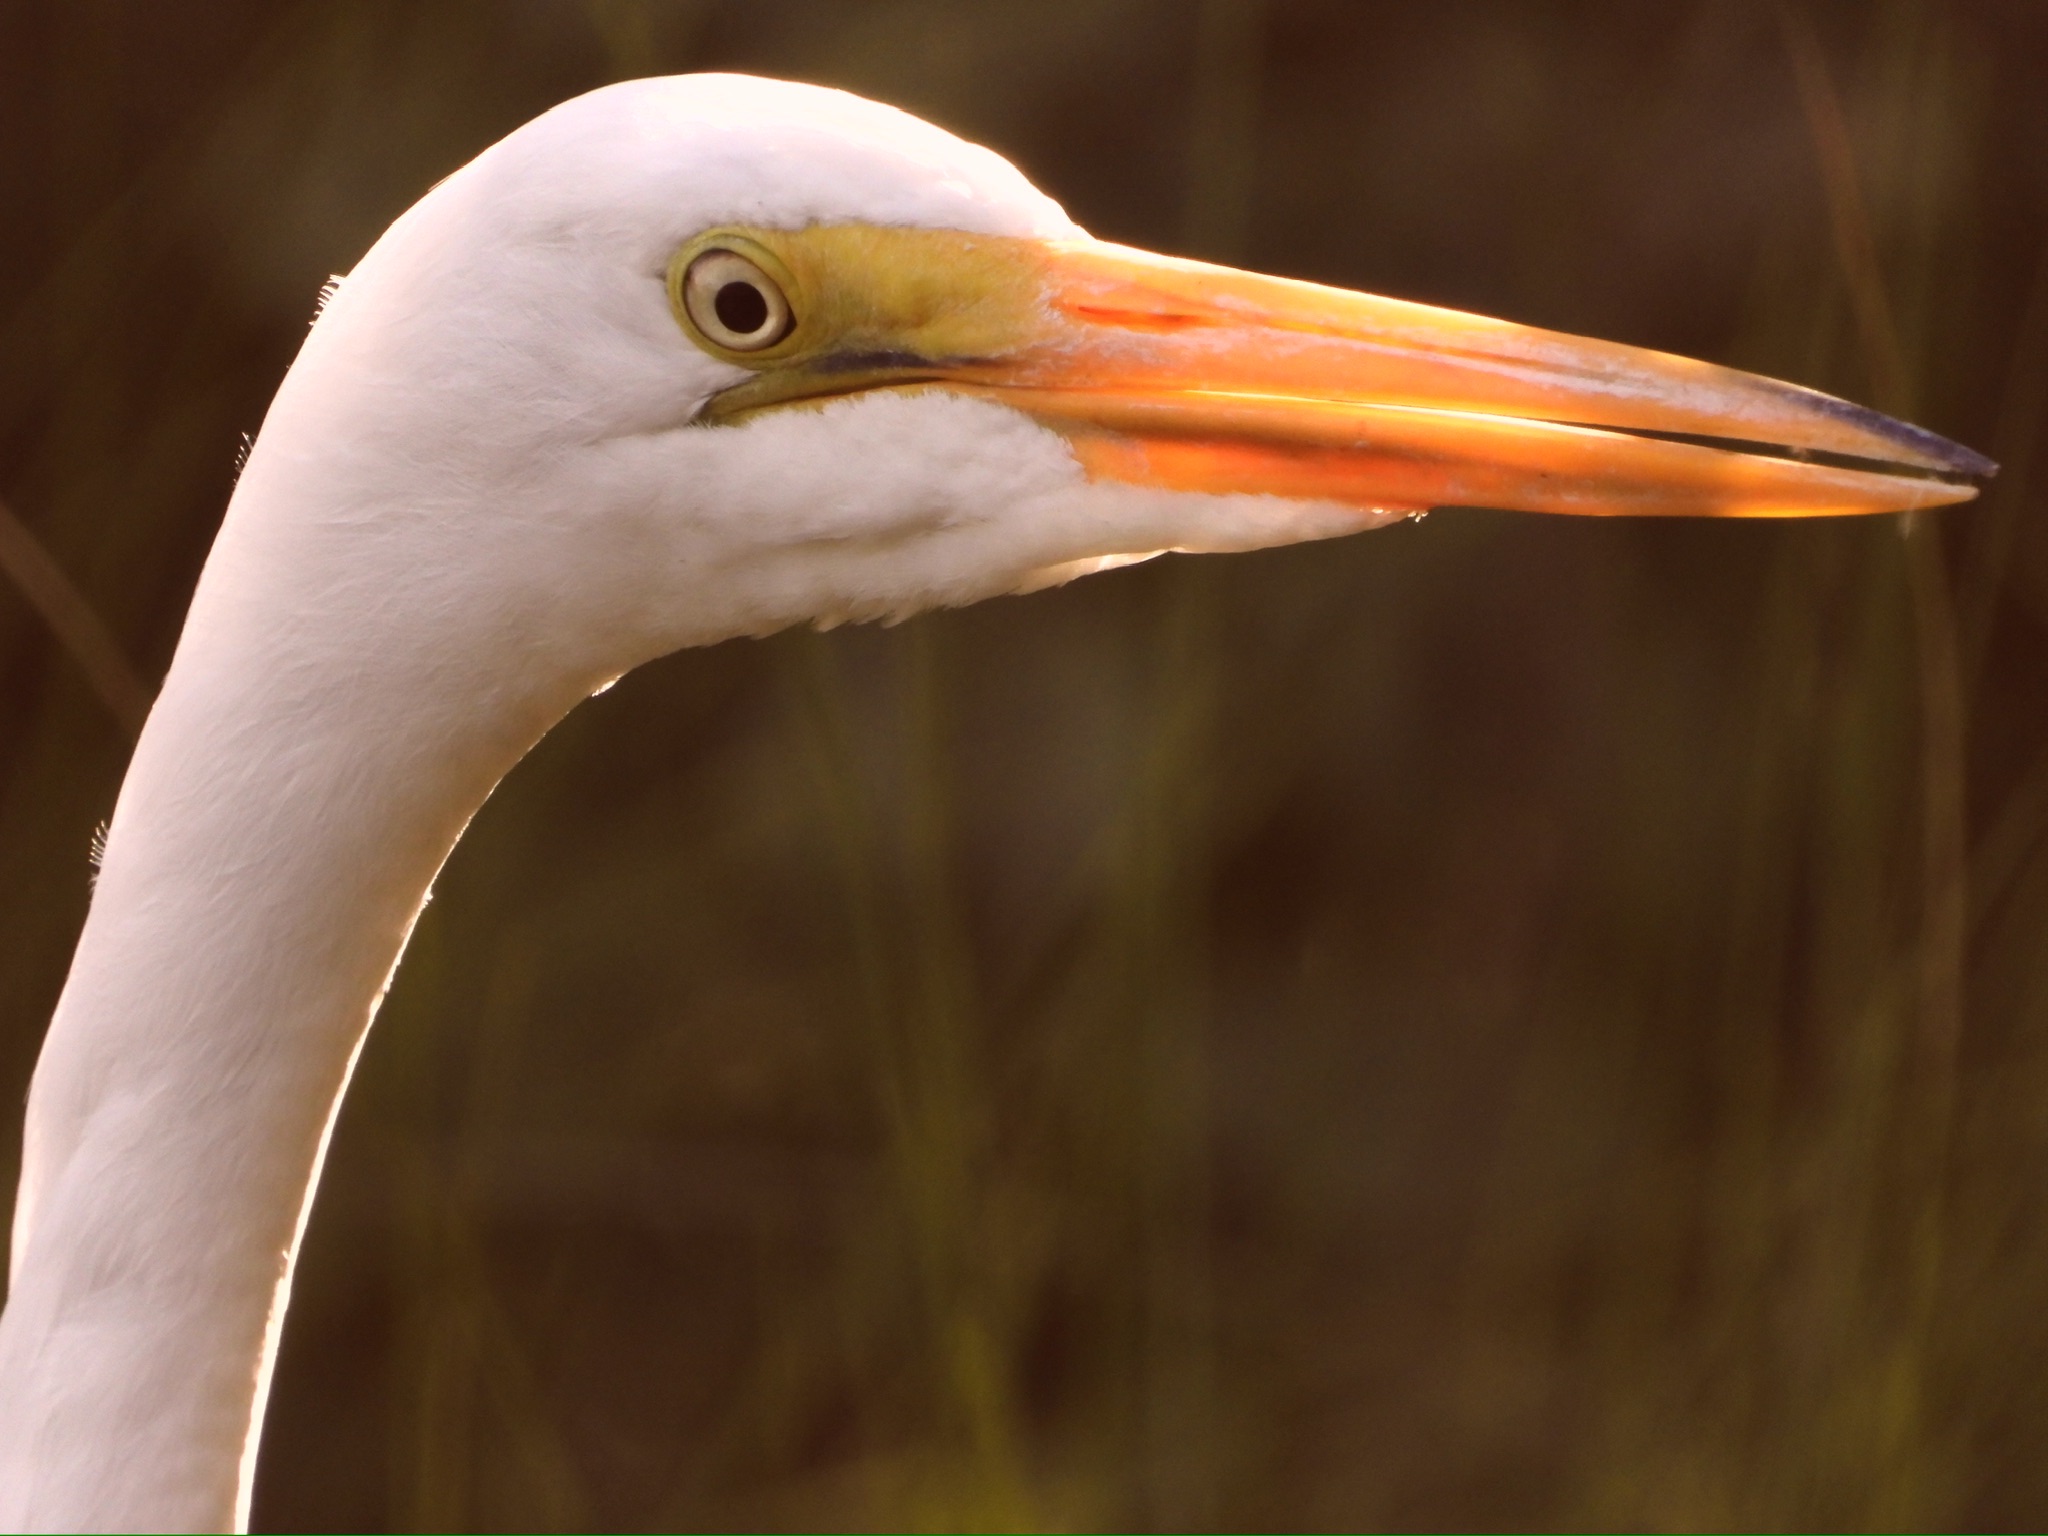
(734, 303)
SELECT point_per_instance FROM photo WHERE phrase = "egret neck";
(317, 749)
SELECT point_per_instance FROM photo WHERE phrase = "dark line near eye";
(858, 362)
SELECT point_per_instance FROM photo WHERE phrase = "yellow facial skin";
(873, 307)
(1193, 377)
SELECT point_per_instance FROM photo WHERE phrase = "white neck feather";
(306, 770)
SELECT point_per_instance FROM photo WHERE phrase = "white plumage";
(483, 491)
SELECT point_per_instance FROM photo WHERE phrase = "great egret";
(680, 360)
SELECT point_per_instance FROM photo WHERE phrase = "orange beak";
(1182, 375)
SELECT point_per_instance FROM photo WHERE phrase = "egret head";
(709, 355)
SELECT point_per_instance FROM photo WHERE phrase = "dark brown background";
(1463, 1027)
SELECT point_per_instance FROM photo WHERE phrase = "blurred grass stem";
(1943, 741)
(931, 1086)
(64, 608)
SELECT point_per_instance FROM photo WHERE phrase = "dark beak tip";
(1965, 461)
(1947, 455)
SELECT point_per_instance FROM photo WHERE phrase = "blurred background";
(1500, 1022)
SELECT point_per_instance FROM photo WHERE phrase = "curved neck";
(297, 788)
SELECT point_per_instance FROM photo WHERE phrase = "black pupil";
(741, 308)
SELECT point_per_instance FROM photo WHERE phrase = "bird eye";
(734, 303)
